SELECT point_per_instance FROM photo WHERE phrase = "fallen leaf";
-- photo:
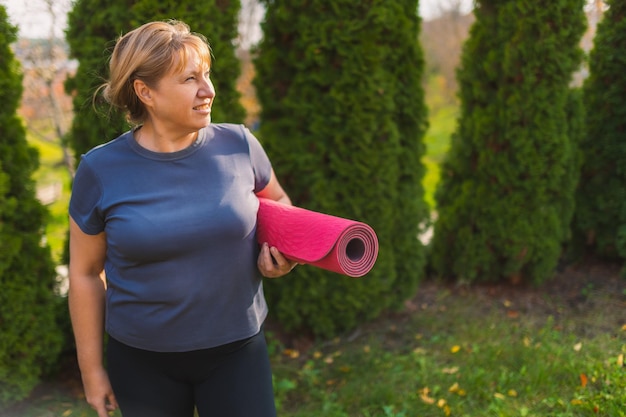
(576, 402)
(455, 348)
(511, 393)
(292, 353)
(441, 403)
(456, 389)
(499, 396)
(583, 380)
(450, 371)
(507, 303)
(512, 314)
(67, 413)
(423, 393)
(578, 346)
(620, 360)
(427, 400)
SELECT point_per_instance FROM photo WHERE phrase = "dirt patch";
(585, 299)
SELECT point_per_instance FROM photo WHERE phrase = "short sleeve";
(260, 162)
(84, 201)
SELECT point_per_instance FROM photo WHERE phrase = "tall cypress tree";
(30, 340)
(600, 220)
(506, 195)
(94, 26)
(342, 119)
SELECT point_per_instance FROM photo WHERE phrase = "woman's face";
(182, 100)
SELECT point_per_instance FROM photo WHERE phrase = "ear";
(142, 91)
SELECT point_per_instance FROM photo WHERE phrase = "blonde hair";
(148, 53)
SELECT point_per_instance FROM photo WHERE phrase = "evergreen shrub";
(342, 119)
(505, 199)
(600, 220)
(30, 340)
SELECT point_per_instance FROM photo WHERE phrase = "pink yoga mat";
(333, 243)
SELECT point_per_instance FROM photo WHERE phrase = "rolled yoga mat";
(333, 243)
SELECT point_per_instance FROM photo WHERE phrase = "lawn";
(487, 350)
(557, 350)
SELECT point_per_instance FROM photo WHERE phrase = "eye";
(190, 78)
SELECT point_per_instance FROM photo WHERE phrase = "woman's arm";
(86, 303)
(271, 262)
(274, 191)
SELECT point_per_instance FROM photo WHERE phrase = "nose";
(207, 89)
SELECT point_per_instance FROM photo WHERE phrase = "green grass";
(457, 351)
(437, 140)
(51, 171)
(442, 123)
(463, 355)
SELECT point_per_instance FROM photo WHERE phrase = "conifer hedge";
(343, 119)
(30, 339)
(506, 195)
(95, 25)
(600, 221)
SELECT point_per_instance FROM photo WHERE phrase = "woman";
(168, 212)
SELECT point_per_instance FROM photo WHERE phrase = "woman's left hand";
(272, 263)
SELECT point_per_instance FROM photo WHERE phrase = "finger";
(112, 402)
(281, 261)
(264, 261)
(102, 410)
(284, 264)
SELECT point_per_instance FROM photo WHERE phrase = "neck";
(156, 141)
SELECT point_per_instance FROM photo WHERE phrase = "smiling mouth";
(202, 107)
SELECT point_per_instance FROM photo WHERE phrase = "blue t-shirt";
(180, 232)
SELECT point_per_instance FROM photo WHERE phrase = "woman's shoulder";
(109, 148)
(227, 128)
(230, 132)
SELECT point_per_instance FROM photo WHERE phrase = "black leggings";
(233, 380)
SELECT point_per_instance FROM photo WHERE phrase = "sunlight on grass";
(52, 173)
(442, 123)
